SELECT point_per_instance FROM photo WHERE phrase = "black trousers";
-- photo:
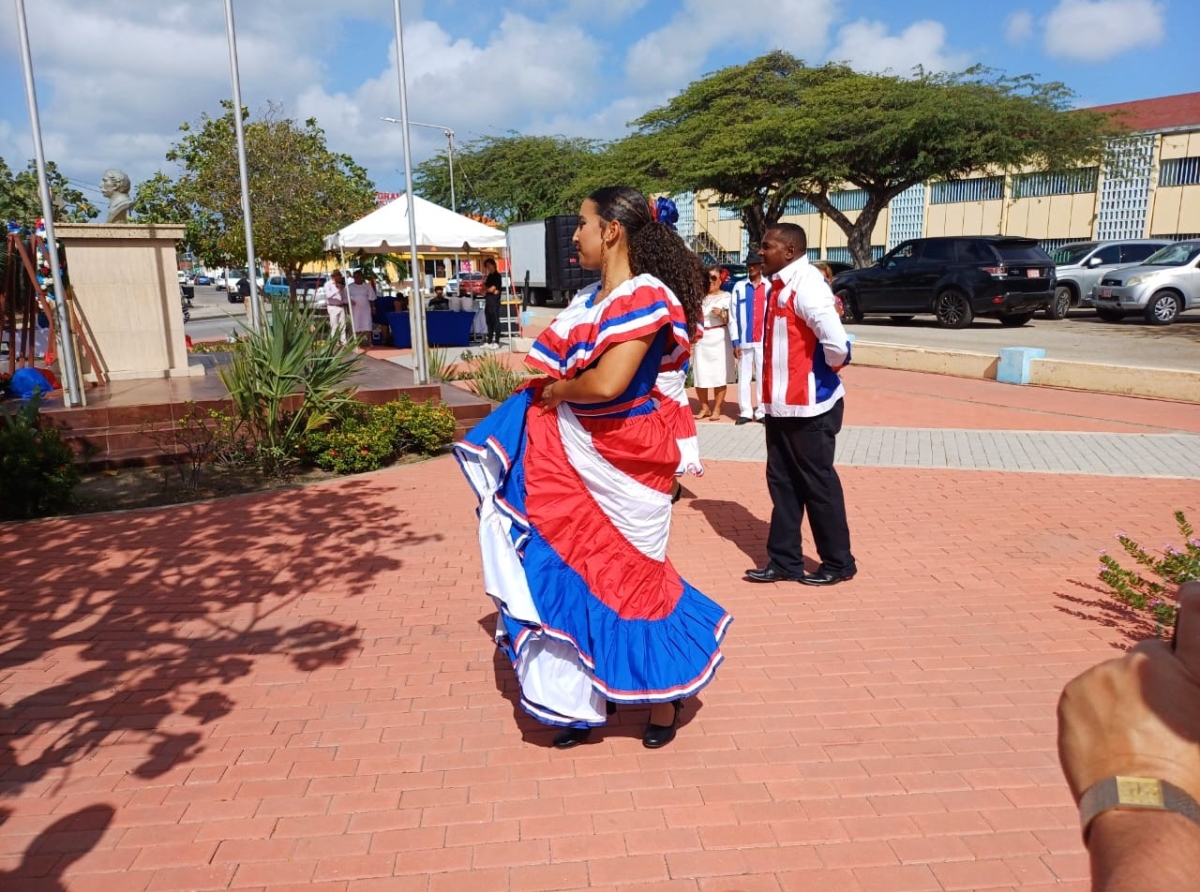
(800, 477)
(491, 314)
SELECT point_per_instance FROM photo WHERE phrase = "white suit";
(746, 321)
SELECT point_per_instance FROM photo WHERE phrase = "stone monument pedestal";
(126, 286)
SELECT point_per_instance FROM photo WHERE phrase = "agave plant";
(287, 379)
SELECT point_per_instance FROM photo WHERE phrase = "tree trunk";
(858, 238)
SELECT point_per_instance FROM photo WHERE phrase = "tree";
(775, 129)
(510, 178)
(21, 203)
(300, 191)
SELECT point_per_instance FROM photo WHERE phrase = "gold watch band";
(1134, 793)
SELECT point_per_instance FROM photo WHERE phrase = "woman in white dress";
(712, 354)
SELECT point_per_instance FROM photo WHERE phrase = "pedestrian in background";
(335, 304)
(361, 296)
(712, 354)
(493, 284)
(747, 320)
(804, 346)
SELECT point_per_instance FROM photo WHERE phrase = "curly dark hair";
(656, 248)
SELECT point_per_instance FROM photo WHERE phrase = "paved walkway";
(1120, 455)
(298, 690)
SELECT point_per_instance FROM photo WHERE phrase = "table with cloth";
(444, 328)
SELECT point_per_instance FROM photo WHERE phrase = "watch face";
(1139, 791)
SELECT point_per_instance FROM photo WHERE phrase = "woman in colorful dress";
(712, 360)
(574, 476)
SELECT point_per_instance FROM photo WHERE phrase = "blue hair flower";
(665, 212)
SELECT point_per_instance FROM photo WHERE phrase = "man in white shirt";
(746, 324)
(335, 302)
(804, 346)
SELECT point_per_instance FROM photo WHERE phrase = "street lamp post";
(449, 150)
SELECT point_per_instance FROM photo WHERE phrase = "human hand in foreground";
(1139, 715)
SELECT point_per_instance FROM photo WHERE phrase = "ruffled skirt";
(574, 519)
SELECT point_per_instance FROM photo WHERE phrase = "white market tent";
(385, 231)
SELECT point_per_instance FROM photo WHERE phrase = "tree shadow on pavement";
(142, 628)
(46, 860)
(1096, 604)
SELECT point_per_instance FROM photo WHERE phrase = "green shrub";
(358, 441)
(495, 380)
(37, 470)
(366, 438)
(1172, 567)
(286, 380)
(420, 427)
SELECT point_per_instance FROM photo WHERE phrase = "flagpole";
(252, 274)
(66, 347)
(417, 307)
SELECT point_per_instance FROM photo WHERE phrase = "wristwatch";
(1134, 794)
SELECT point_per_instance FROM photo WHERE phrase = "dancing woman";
(574, 476)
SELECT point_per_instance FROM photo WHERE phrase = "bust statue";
(115, 187)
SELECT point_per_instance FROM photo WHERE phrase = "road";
(1081, 337)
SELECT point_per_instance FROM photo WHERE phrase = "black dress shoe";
(610, 708)
(660, 735)
(825, 576)
(743, 420)
(770, 574)
(569, 737)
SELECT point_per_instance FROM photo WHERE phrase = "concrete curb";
(1165, 384)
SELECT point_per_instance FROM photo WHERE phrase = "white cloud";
(675, 54)
(1098, 30)
(526, 70)
(868, 46)
(1019, 26)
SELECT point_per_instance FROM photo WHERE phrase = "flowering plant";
(1174, 566)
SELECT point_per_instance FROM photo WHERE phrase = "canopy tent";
(385, 231)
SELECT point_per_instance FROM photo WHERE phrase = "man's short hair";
(489, 262)
(793, 234)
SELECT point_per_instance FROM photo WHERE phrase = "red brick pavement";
(298, 690)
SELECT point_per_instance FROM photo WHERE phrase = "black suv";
(954, 278)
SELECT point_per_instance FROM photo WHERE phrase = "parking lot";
(1081, 337)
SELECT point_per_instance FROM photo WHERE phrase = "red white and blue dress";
(574, 517)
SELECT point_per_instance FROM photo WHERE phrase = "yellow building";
(1153, 193)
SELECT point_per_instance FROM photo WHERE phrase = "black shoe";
(743, 420)
(569, 737)
(769, 573)
(825, 576)
(660, 735)
(610, 708)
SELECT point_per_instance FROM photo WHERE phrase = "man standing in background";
(746, 324)
(335, 303)
(804, 346)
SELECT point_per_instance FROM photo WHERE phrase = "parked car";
(954, 278)
(277, 286)
(470, 284)
(1079, 267)
(1165, 285)
(202, 279)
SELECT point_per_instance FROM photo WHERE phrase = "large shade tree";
(299, 190)
(510, 178)
(775, 129)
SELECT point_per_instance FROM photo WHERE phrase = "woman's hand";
(551, 396)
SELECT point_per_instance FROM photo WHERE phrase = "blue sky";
(117, 77)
